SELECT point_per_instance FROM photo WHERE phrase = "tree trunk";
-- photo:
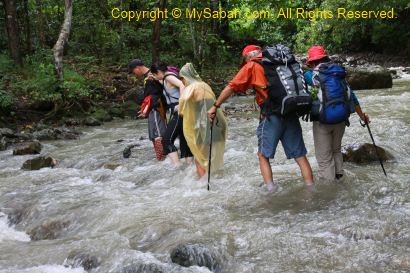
(27, 27)
(156, 37)
(193, 36)
(13, 30)
(41, 23)
(58, 48)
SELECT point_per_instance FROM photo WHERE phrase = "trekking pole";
(210, 156)
(374, 144)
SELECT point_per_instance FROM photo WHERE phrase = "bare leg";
(266, 169)
(174, 158)
(305, 169)
(199, 169)
(189, 160)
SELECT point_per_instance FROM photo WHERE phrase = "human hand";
(365, 118)
(212, 113)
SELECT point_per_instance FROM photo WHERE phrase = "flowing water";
(140, 211)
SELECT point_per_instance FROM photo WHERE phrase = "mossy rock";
(130, 109)
(101, 115)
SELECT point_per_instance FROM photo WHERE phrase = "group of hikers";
(284, 93)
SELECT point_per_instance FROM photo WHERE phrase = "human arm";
(225, 94)
(363, 116)
(177, 83)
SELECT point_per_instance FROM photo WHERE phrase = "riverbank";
(120, 94)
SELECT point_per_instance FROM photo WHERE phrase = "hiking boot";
(339, 178)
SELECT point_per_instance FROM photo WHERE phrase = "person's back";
(196, 100)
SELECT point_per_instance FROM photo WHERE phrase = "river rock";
(144, 268)
(101, 115)
(29, 149)
(196, 254)
(55, 133)
(6, 132)
(127, 151)
(90, 121)
(369, 79)
(39, 163)
(130, 109)
(3, 144)
(365, 153)
(86, 261)
(111, 165)
(49, 230)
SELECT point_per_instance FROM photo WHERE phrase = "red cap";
(246, 50)
(315, 53)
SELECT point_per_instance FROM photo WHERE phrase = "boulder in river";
(55, 133)
(86, 261)
(101, 115)
(369, 79)
(127, 151)
(48, 230)
(39, 163)
(90, 121)
(144, 268)
(3, 144)
(195, 254)
(365, 153)
(111, 165)
(28, 149)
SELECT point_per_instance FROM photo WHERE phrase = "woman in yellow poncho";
(194, 103)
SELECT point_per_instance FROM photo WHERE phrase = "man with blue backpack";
(333, 103)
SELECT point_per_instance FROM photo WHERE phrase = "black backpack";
(286, 85)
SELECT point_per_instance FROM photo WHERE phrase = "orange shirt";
(250, 76)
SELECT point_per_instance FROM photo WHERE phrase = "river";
(141, 210)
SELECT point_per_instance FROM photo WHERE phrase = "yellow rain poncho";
(194, 103)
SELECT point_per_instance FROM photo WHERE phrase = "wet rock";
(369, 79)
(365, 153)
(130, 109)
(72, 122)
(29, 149)
(6, 132)
(39, 163)
(144, 268)
(90, 121)
(116, 112)
(142, 138)
(3, 144)
(127, 151)
(195, 254)
(55, 133)
(24, 136)
(111, 165)
(49, 230)
(101, 115)
(86, 261)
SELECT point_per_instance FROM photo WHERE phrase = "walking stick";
(374, 144)
(210, 156)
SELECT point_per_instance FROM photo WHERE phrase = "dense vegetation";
(98, 42)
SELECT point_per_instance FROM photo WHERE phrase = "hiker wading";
(334, 101)
(194, 103)
(273, 126)
(172, 89)
(153, 106)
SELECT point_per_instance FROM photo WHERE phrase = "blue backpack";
(334, 93)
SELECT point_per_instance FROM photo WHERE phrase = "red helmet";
(246, 50)
(315, 53)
